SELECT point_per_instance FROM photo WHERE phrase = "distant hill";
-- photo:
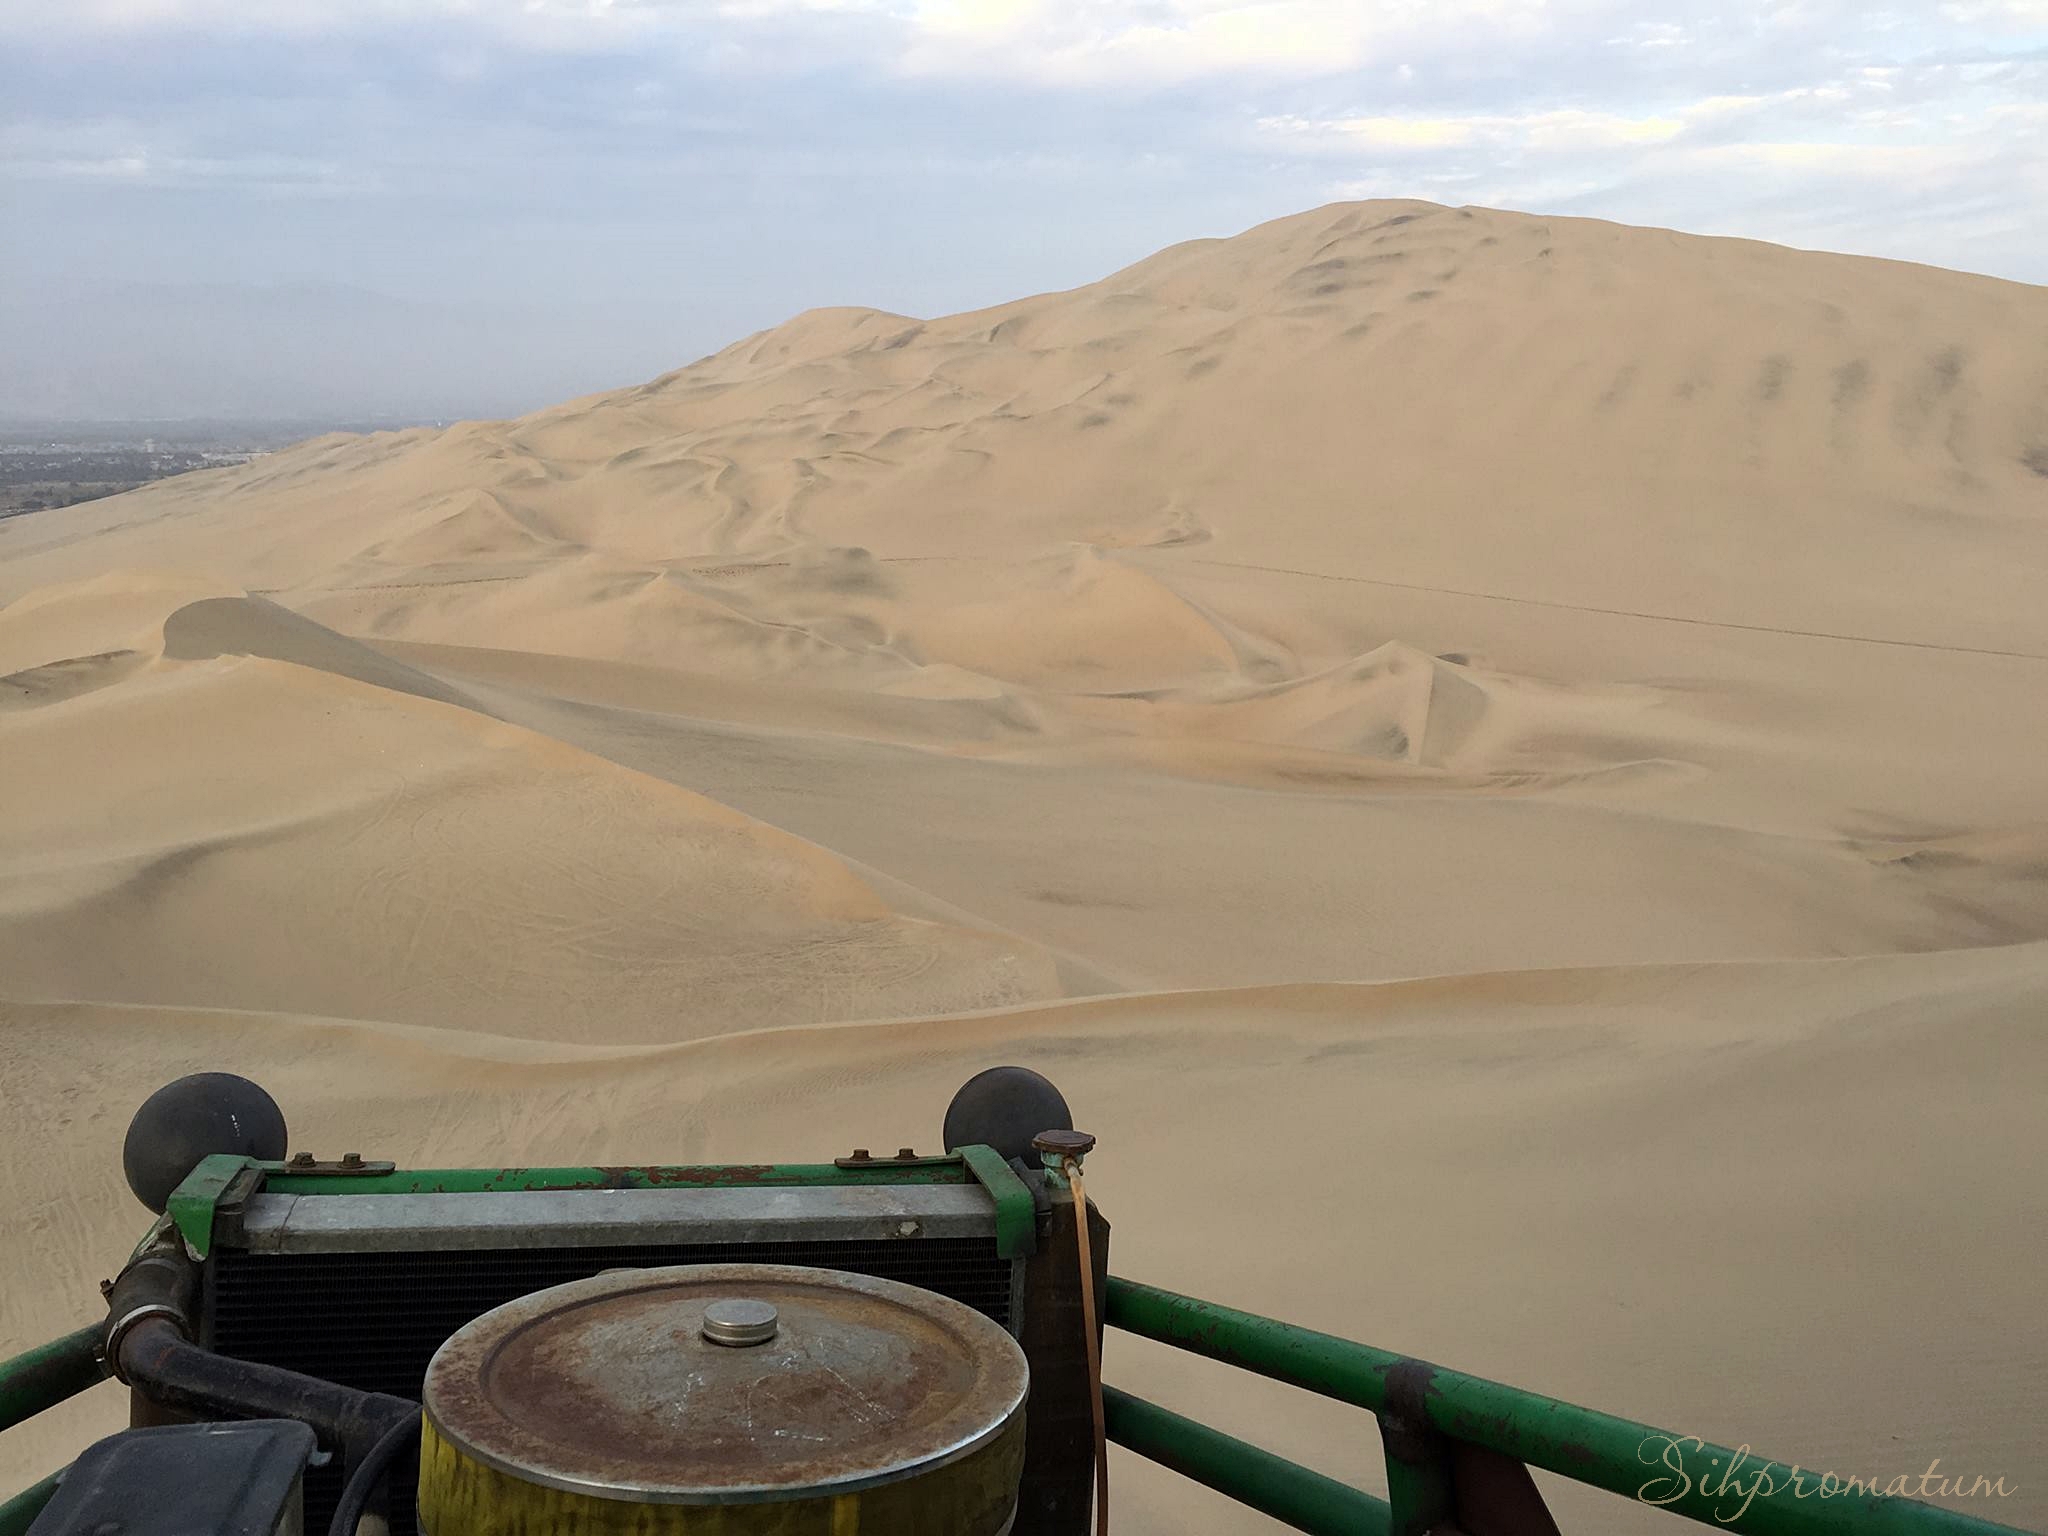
(1552, 410)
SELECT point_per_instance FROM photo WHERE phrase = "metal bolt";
(906, 1152)
(860, 1155)
(303, 1160)
(355, 1159)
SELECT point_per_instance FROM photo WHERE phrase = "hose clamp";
(117, 1331)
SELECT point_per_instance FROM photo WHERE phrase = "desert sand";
(1499, 761)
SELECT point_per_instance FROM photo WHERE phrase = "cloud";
(728, 162)
(271, 172)
(1565, 128)
(116, 151)
(2017, 15)
(1070, 42)
(1100, 41)
(1868, 160)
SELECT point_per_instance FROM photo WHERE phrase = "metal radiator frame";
(243, 1210)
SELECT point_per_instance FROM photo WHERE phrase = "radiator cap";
(702, 1387)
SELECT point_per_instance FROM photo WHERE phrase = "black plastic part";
(1004, 1108)
(185, 1480)
(192, 1118)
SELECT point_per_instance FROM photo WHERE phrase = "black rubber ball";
(192, 1118)
(1004, 1108)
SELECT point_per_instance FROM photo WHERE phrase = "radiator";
(362, 1289)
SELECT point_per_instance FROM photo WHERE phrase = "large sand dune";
(1518, 740)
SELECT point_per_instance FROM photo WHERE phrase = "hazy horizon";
(190, 334)
(462, 210)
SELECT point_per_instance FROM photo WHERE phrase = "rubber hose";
(355, 1495)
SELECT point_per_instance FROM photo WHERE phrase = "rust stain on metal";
(1404, 1419)
(865, 1381)
(654, 1174)
(1410, 1382)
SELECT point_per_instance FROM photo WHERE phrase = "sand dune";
(1724, 1198)
(1498, 758)
(339, 838)
(1396, 391)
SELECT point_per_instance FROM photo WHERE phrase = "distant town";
(46, 464)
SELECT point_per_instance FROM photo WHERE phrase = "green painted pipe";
(45, 1376)
(1732, 1489)
(1291, 1494)
(20, 1512)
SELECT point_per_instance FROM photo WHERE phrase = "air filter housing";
(727, 1398)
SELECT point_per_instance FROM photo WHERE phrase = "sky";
(475, 207)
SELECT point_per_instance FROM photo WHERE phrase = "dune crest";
(376, 846)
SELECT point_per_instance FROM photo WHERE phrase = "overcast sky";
(477, 206)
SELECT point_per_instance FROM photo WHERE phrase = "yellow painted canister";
(724, 1400)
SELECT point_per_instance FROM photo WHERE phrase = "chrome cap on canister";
(740, 1323)
(812, 1396)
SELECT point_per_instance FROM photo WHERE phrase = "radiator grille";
(374, 1320)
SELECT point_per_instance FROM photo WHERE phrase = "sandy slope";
(339, 838)
(1641, 635)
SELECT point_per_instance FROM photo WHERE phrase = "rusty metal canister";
(724, 1400)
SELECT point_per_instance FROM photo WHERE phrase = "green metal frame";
(1016, 1211)
(45, 1376)
(193, 1203)
(31, 1382)
(1290, 1493)
(20, 1512)
(1425, 1411)
(1432, 1420)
